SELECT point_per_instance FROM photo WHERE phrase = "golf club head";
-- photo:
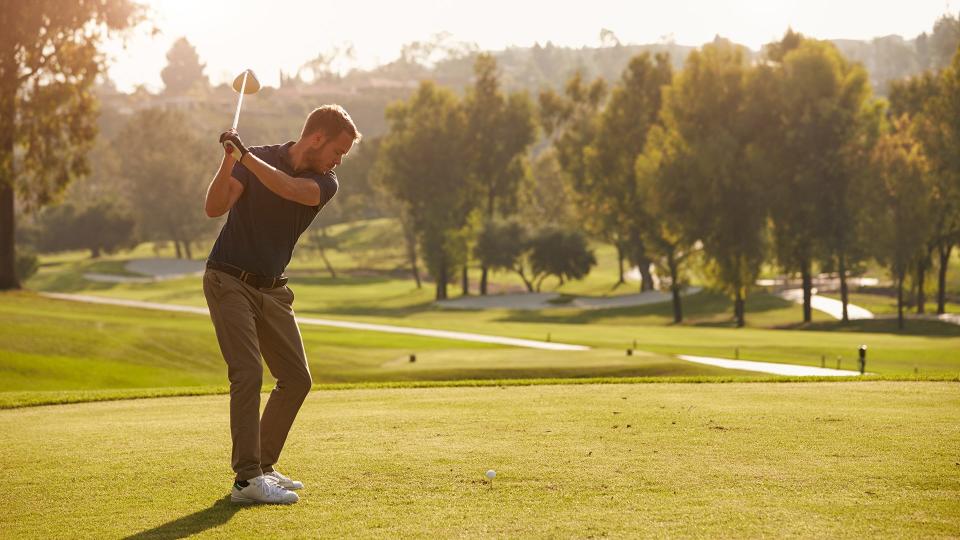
(253, 85)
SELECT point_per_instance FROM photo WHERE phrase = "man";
(272, 194)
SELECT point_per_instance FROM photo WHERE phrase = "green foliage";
(562, 253)
(708, 113)
(900, 216)
(47, 109)
(183, 72)
(104, 226)
(164, 168)
(422, 163)
(27, 264)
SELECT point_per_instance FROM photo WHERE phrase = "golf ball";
(491, 473)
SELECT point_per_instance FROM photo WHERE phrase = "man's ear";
(319, 138)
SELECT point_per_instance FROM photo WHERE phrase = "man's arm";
(224, 189)
(299, 190)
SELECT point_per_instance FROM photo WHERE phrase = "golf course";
(479, 270)
(592, 443)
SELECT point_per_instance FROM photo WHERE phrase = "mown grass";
(875, 459)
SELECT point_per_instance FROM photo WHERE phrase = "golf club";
(245, 83)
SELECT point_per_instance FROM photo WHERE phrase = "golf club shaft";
(243, 87)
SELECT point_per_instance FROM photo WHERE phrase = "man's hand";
(232, 144)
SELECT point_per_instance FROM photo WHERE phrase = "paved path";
(763, 367)
(769, 367)
(443, 334)
(832, 307)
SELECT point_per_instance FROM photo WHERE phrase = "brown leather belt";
(254, 280)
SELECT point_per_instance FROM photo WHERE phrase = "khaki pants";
(251, 322)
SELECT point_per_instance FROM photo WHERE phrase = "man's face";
(326, 152)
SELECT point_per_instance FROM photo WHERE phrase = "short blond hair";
(333, 120)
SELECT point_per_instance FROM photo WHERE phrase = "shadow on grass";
(196, 523)
(912, 327)
(706, 308)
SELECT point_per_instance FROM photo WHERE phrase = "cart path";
(762, 367)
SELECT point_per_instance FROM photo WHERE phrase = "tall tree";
(49, 60)
(160, 188)
(422, 163)
(184, 70)
(571, 121)
(665, 200)
(814, 103)
(708, 109)
(500, 130)
(900, 217)
(633, 108)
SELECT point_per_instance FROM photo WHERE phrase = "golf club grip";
(232, 150)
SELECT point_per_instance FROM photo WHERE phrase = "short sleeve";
(241, 173)
(328, 184)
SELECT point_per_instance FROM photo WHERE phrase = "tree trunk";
(675, 289)
(8, 277)
(738, 308)
(527, 282)
(646, 278)
(8, 111)
(844, 296)
(95, 252)
(807, 290)
(326, 262)
(442, 282)
(411, 241)
(944, 248)
(922, 265)
(621, 280)
(483, 279)
(900, 300)
(176, 245)
(466, 281)
(186, 249)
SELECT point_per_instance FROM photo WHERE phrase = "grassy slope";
(812, 460)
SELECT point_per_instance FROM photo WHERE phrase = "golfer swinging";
(272, 194)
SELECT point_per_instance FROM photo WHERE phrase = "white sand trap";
(160, 268)
(442, 334)
(769, 367)
(831, 307)
(152, 270)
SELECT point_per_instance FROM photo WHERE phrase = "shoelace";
(271, 489)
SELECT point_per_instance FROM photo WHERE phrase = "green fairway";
(854, 460)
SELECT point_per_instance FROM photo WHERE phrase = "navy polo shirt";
(263, 227)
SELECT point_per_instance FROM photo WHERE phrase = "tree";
(164, 170)
(184, 70)
(502, 245)
(104, 226)
(708, 109)
(500, 130)
(611, 183)
(563, 253)
(666, 203)
(421, 162)
(814, 104)
(900, 216)
(572, 121)
(49, 60)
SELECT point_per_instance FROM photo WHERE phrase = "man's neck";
(297, 158)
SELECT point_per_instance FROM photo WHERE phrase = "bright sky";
(283, 34)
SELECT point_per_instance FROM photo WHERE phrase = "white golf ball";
(491, 473)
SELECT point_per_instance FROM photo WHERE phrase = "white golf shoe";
(283, 481)
(262, 490)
